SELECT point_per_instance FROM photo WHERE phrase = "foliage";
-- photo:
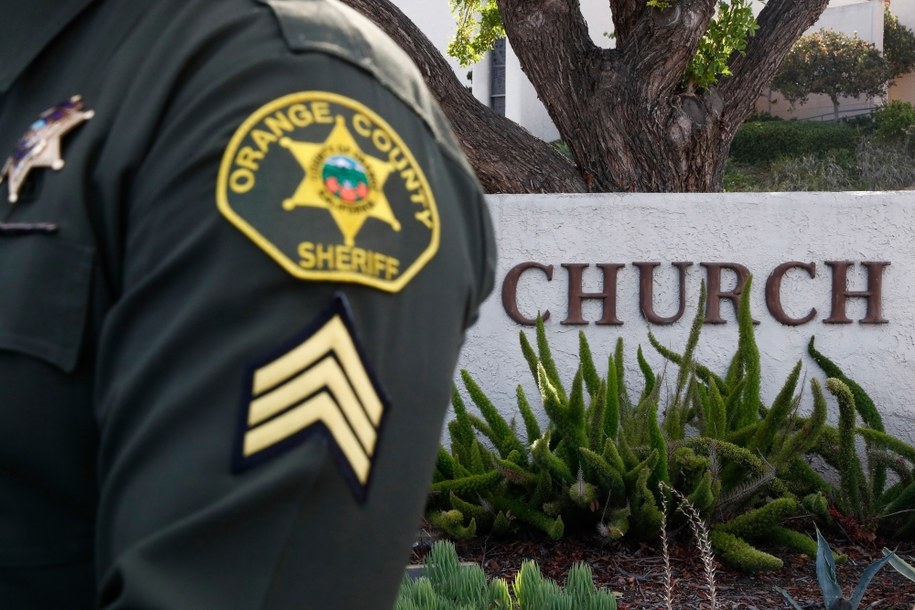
(758, 142)
(603, 454)
(533, 592)
(895, 121)
(810, 156)
(864, 493)
(479, 26)
(885, 165)
(811, 173)
(728, 33)
(898, 45)
(899, 565)
(448, 585)
(829, 582)
(833, 64)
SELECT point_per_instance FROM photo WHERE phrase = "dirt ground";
(637, 572)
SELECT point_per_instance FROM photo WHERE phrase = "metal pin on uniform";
(40, 145)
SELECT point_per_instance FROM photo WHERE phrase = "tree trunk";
(625, 113)
(505, 156)
(644, 130)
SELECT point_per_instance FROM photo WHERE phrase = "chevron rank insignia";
(321, 385)
(330, 191)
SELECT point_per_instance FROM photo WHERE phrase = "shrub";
(895, 120)
(603, 455)
(865, 495)
(810, 173)
(448, 585)
(762, 141)
(885, 165)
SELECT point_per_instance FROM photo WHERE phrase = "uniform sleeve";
(297, 264)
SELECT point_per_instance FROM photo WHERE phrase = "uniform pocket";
(44, 295)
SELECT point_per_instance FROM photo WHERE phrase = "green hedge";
(762, 141)
(895, 120)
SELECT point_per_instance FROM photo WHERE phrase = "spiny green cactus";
(452, 523)
(778, 414)
(748, 356)
(849, 464)
(537, 593)
(599, 457)
(471, 484)
(554, 528)
(500, 433)
(739, 553)
(731, 540)
(531, 425)
(864, 494)
(802, 441)
(862, 400)
(448, 585)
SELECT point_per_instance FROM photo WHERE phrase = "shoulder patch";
(330, 191)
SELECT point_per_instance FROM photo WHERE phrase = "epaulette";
(331, 27)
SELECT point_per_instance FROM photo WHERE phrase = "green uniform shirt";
(229, 319)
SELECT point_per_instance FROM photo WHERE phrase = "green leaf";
(589, 371)
(531, 426)
(788, 598)
(899, 565)
(647, 373)
(826, 572)
(866, 580)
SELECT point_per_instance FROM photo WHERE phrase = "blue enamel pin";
(40, 146)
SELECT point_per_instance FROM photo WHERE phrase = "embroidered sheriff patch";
(320, 385)
(329, 190)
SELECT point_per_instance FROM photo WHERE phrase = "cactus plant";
(448, 585)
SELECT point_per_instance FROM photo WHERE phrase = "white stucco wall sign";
(836, 266)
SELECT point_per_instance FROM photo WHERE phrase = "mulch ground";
(637, 572)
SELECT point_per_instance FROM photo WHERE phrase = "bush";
(895, 121)
(762, 141)
(811, 173)
(885, 166)
(604, 453)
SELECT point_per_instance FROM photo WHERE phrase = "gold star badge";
(341, 178)
(40, 146)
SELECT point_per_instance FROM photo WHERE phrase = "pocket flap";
(44, 296)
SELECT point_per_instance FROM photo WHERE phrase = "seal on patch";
(330, 191)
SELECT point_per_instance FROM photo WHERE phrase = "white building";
(498, 81)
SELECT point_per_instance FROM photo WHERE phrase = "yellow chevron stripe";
(326, 374)
(319, 408)
(335, 337)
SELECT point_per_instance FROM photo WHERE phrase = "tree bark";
(505, 156)
(645, 130)
(626, 114)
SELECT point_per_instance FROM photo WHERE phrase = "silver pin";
(40, 146)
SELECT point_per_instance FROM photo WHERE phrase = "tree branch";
(663, 43)
(551, 40)
(505, 156)
(780, 25)
(625, 17)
